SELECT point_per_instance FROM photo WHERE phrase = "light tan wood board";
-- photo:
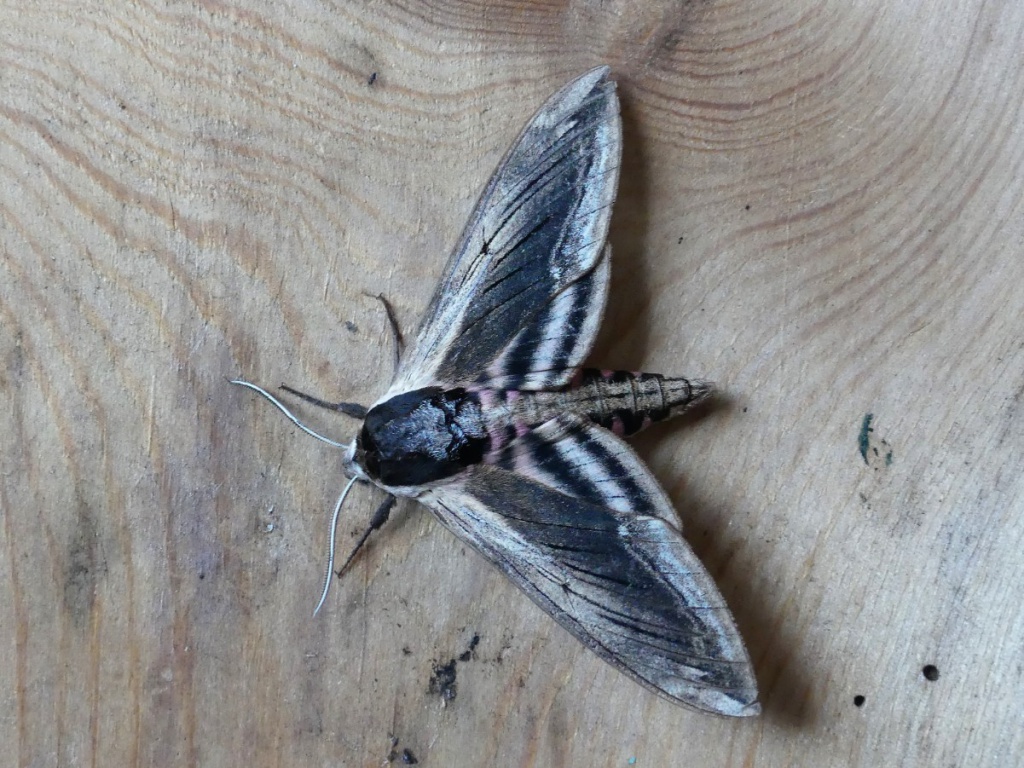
(821, 208)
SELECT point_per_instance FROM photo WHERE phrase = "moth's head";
(351, 465)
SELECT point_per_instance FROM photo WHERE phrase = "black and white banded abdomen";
(621, 401)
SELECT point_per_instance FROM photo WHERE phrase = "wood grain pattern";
(821, 209)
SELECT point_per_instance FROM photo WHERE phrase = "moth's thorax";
(622, 401)
(421, 436)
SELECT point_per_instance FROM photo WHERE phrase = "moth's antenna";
(330, 556)
(286, 412)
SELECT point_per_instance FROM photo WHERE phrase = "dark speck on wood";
(442, 681)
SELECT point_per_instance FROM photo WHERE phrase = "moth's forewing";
(577, 521)
(538, 230)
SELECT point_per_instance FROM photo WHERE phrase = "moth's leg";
(355, 410)
(395, 332)
(379, 518)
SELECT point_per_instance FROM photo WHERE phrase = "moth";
(492, 423)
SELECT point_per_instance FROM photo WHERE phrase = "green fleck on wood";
(863, 439)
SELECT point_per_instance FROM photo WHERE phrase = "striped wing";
(523, 293)
(576, 520)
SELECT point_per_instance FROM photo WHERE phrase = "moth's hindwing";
(584, 461)
(524, 289)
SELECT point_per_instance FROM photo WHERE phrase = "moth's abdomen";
(622, 401)
(627, 402)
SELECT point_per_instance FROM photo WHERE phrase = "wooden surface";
(821, 208)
